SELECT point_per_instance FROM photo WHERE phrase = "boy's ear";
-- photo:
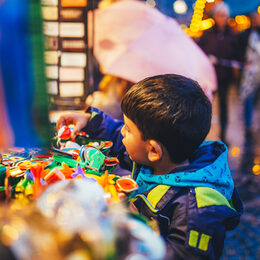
(154, 151)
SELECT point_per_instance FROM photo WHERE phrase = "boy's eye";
(125, 128)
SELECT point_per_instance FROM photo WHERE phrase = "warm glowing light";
(197, 16)
(190, 33)
(235, 151)
(196, 23)
(198, 12)
(210, 1)
(200, 4)
(241, 19)
(206, 24)
(194, 27)
(242, 22)
(151, 3)
(258, 9)
(180, 7)
(256, 169)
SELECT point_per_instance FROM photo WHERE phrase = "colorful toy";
(54, 176)
(37, 187)
(126, 184)
(7, 185)
(64, 133)
(79, 173)
(92, 156)
(24, 188)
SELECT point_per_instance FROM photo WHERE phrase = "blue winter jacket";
(193, 206)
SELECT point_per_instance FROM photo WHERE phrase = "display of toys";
(26, 173)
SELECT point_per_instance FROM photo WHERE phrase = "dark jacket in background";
(243, 38)
(223, 45)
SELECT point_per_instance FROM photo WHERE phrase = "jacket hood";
(208, 167)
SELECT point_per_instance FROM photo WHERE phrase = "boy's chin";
(134, 159)
(141, 162)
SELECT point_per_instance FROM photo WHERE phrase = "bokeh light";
(256, 169)
(235, 152)
(151, 3)
(180, 7)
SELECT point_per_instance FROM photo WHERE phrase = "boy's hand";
(78, 119)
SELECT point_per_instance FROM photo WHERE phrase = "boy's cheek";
(125, 143)
(127, 148)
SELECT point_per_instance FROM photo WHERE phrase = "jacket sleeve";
(104, 127)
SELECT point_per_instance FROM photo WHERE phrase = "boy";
(184, 183)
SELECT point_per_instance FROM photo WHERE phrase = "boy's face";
(134, 143)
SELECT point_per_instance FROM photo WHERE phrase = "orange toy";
(126, 184)
(37, 187)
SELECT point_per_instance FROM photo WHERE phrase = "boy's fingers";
(77, 119)
(60, 122)
(63, 120)
(75, 130)
(74, 133)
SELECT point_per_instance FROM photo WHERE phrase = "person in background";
(111, 90)
(184, 182)
(220, 44)
(249, 41)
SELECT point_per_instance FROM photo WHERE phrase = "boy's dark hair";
(171, 109)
